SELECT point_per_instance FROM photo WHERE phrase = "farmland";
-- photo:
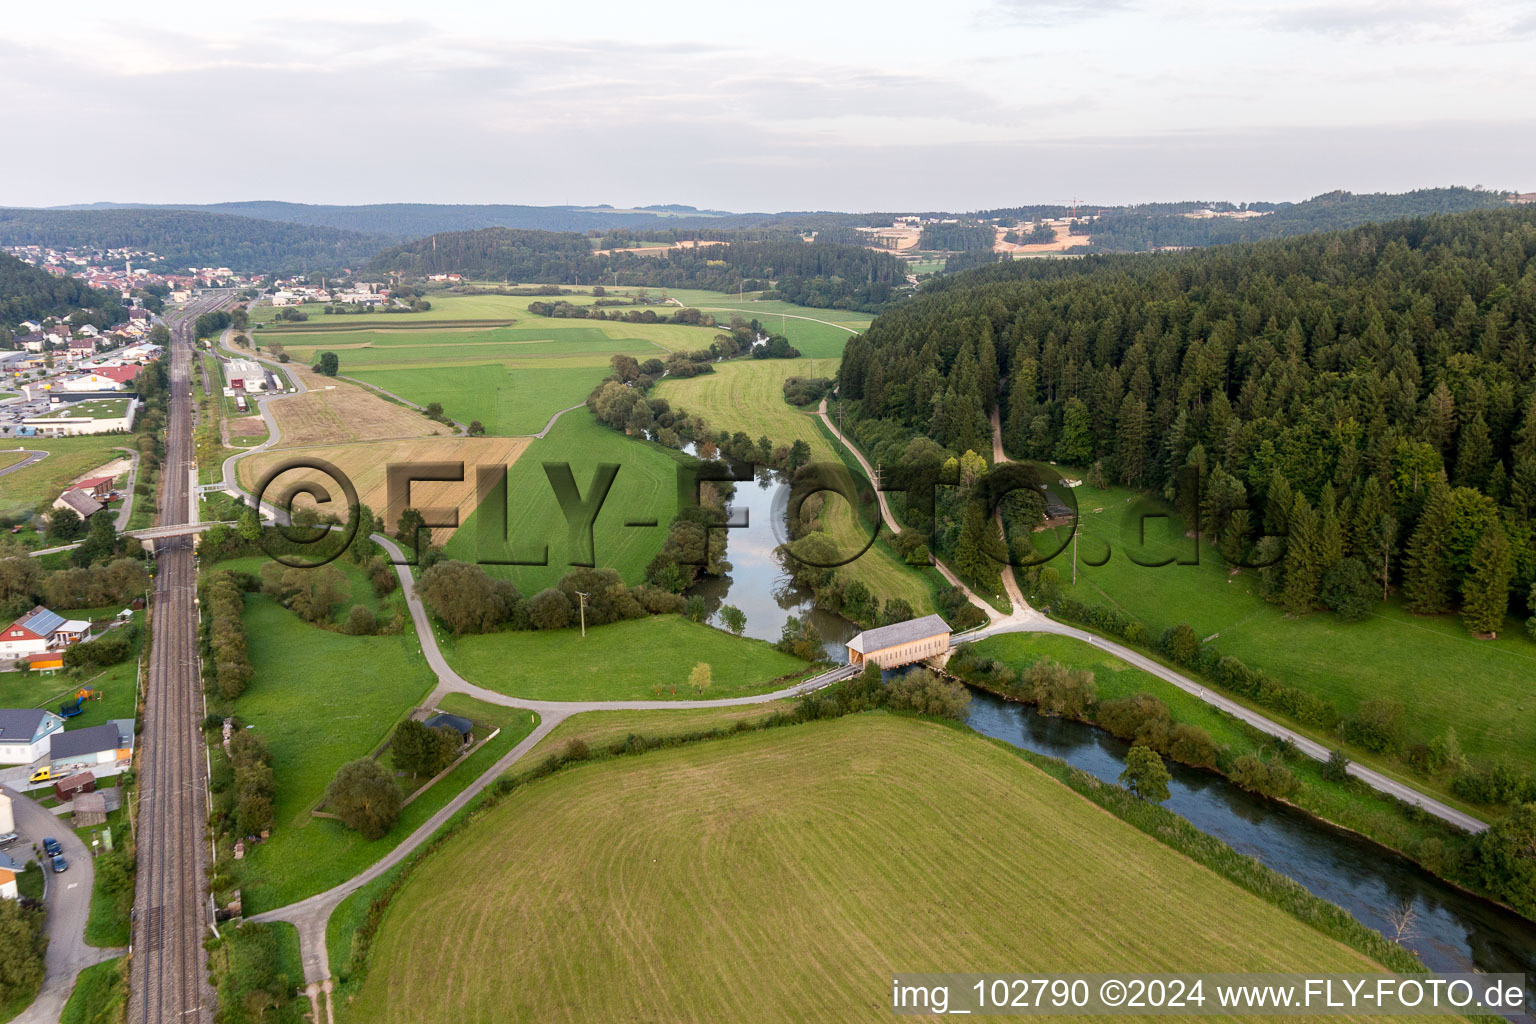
(505, 401)
(1430, 665)
(637, 659)
(69, 459)
(366, 464)
(331, 412)
(644, 489)
(580, 885)
(748, 395)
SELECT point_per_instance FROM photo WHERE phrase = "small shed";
(47, 661)
(68, 789)
(459, 724)
(90, 809)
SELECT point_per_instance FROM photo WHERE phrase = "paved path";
(68, 898)
(311, 915)
(33, 457)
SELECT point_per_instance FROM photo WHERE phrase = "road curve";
(68, 899)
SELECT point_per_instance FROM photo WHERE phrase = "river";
(757, 583)
(1452, 931)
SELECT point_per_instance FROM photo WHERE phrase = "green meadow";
(645, 489)
(1442, 676)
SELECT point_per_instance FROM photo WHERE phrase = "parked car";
(60, 865)
(51, 847)
(7, 838)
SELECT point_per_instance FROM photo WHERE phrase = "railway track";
(168, 974)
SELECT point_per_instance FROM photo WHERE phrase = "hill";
(194, 239)
(31, 293)
(1342, 415)
(785, 875)
(1160, 225)
(412, 220)
(814, 274)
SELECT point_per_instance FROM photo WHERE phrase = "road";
(168, 975)
(33, 457)
(311, 915)
(68, 898)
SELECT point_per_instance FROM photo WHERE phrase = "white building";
(92, 416)
(245, 375)
(89, 382)
(26, 734)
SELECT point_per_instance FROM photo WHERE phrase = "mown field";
(505, 401)
(817, 333)
(748, 395)
(786, 875)
(1442, 676)
(644, 489)
(638, 659)
(69, 458)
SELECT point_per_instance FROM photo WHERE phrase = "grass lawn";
(1444, 677)
(100, 995)
(748, 395)
(516, 401)
(318, 853)
(645, 489)
(626, 660)
(70, 457)
(599, 728)
(1352, 805)
(785, 875)
(815, 332)
(319, 699)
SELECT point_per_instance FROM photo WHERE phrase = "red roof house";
(121, 374)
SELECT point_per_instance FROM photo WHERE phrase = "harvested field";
(365, 463)
(334, 411)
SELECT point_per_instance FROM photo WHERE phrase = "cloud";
(1382, 21)
(1050, 13)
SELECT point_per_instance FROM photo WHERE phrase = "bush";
(364, 797)
(360, 622)
(1377, 726)
(1276, 780)
(1141, 718)
(1180, 644)
(926, 693)
(1336, 768)
(466, 598)
(1509, 858)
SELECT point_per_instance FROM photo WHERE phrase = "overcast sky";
(798, 104)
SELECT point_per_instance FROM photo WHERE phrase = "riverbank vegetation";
(1065, 677)
(874, 768)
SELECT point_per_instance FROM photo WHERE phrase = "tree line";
(1340, 409)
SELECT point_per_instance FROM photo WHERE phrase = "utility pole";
(583, 603)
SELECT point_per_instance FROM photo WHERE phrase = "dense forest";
(1158, 225)
(1365, 397)
(840, 276)
(959, 236)
(31, 293)
(185, 239)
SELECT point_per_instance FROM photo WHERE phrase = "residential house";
(101, 749)
(9, 869)
(25, 734)
(41, 630)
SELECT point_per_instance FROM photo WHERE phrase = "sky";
(797, 105)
